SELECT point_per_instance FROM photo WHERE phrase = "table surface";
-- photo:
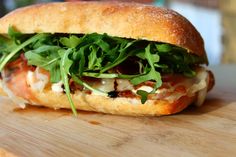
(209, 130)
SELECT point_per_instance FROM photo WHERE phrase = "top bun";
(128, 20)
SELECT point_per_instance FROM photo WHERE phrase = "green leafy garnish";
(65, 65)
(144, 95)
(151, 75)
(46, 58)
(71, 42)
(73, 57)
(163, 48)
(18, 48)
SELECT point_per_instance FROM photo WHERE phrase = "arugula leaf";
(152, 74)
(123, 55)
(6, 44)
(71, 42)
(144, 95)
(47, 58)
(65, 65)
(103, 45)
(109, 75)
(55, 74)
(93, 61)
(18, 48)
(13, 34)
(178, 60)
(163, 47)
(81, 60)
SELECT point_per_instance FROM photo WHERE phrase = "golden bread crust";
(118, 106)
(128, 20)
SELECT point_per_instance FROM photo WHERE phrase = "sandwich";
(115, 58)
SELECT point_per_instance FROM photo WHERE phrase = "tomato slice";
(15, 76)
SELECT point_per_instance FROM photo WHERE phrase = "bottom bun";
(119, 106)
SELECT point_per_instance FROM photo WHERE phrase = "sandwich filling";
(99, 64)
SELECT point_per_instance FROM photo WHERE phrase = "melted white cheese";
(202, 92)
(57, 87)
(144, 88)
(106, 85)
(37, 80)
(124, 84)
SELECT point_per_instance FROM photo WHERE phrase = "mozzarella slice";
(124, 84)
(57, 87)
(204, 77)
(37, 80)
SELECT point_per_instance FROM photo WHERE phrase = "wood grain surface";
(209, 130)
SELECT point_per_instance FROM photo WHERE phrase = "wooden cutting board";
(209, 130)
